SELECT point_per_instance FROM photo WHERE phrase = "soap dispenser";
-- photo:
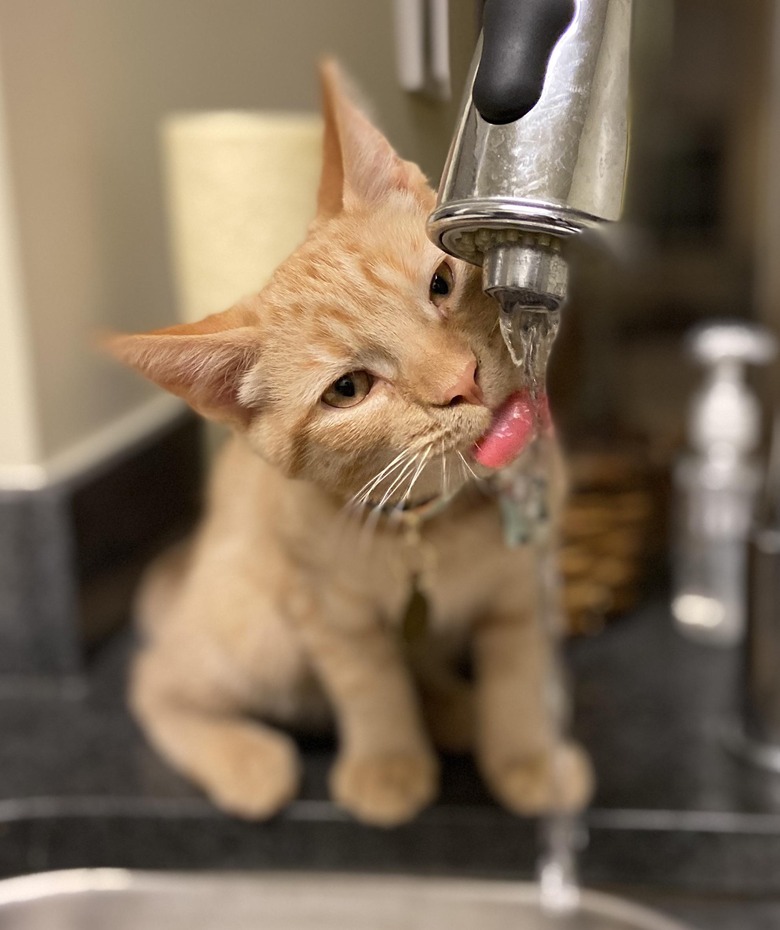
(716, 484)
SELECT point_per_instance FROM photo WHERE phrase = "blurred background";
(99, 170)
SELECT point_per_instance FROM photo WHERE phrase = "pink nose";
(465, 390)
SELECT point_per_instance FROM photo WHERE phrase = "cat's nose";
(466, 389)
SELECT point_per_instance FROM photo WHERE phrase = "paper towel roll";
(241, 190)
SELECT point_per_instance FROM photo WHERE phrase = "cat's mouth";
(514, 425)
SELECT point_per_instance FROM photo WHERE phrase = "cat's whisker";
(364, 493)
(362, 496)
(415, 477)
(443, 470)
(471, 471)
(463, 473)
(368, 529)
(397, 482)
(357, 511)
(348, 515)
(396, 472)
(447, 476)
(481, 483)
(404, 471)
(369, 520)
(352, 511)
(469, 476)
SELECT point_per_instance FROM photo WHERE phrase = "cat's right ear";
(359, 166)
(204, 362)
(330, 195)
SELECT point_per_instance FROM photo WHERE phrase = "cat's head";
(369, 346)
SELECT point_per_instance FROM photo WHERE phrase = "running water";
(529, 333)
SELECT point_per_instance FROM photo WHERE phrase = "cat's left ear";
(359, 165)
(202, 362)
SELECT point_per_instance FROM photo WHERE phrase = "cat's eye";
(348, 390)
(441, 284)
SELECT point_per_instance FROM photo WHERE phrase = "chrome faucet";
(540, 152)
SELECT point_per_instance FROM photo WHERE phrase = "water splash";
(529, 333)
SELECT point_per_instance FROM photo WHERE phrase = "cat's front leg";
(247, 768)
(386, 770)
(520, 755)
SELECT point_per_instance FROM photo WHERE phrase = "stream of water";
(525, 499)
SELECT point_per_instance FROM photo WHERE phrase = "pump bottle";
(716, 484)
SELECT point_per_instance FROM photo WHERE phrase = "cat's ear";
(202, 362)
(359, 165)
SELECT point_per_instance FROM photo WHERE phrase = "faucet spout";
(527, 269)
(512, 192)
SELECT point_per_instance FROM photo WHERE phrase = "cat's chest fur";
(456, 559)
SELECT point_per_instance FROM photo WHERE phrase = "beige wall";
(18, 427)
(85, 84)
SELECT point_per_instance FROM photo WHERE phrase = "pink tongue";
(513, 427)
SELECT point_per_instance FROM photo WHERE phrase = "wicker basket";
(612, 526)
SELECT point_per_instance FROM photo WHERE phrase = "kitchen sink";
(93, 899)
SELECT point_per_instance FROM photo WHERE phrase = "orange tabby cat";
(357, 383)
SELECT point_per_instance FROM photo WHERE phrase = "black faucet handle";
(518, 39)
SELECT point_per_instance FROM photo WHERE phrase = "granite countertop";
(676, 818)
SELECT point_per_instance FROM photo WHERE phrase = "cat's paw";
(387, 789)
(258, 775)
(543, 783)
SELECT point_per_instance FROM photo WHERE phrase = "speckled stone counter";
(676, 818)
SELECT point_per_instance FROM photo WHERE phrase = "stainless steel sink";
(94, 899)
